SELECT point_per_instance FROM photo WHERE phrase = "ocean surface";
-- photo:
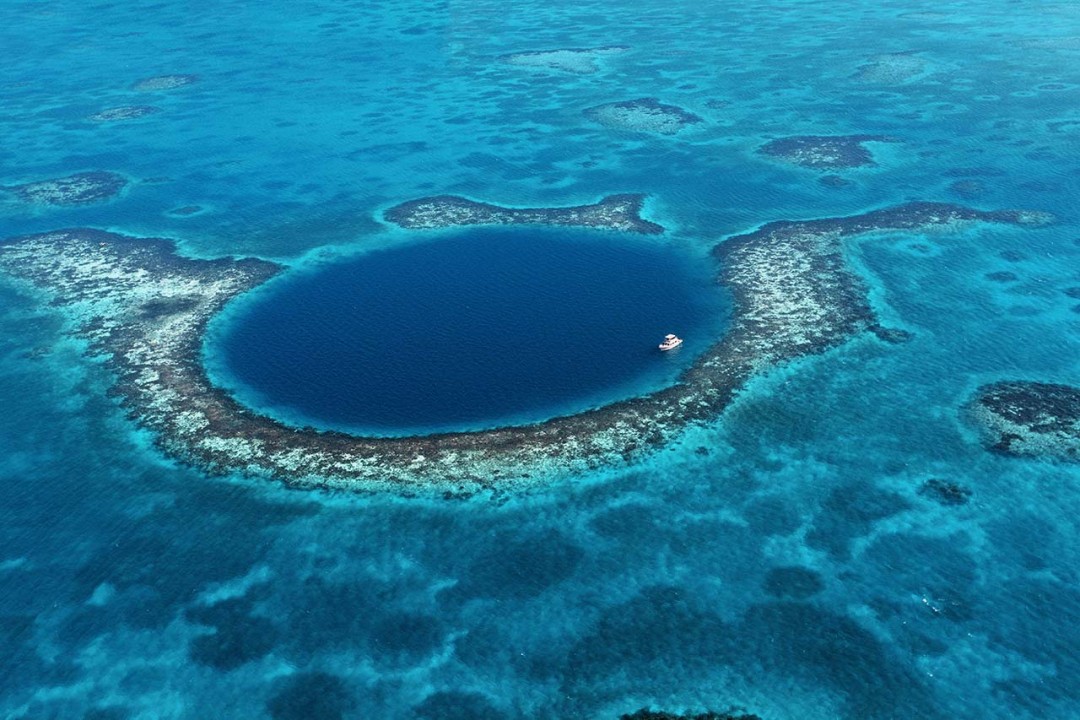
(781, 559)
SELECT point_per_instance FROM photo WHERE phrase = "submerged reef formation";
(615, 212)
(945, 492)
(824, 152)
(126, 112)
(1002, 276)
(78, 189)
(164, 82)
(834, 181)
(1019, 417)
(580, 61)
(145, 309)
(642, 115)
(891, 68)
(646, 714)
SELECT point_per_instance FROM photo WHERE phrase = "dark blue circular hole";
(479, 328)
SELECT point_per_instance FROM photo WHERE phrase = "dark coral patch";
(22, 663)
(78, 189)
(1037, 618)
(111, 712)
(1063, 126)
(793, 583)
(1036, 419)
(456, 705)
(1002, 276)
(660, 632)
(668, 635)
(406, 637)
(328, 616)
(893, 336)
(158, 308)
(731, 714)
(772, 515)
(1027, 541)
(238, 637)
(945, 492)
(150, 566)
(642, 115)
(833, 181)
(939, 571)
(809, 642)
(520, 567)
(626, 521)
(920, 248)
(231, 646)
(1072, 292)
(310, 695)
(849, 513)
(824, 152)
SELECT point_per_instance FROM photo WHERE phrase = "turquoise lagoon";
(781, 559)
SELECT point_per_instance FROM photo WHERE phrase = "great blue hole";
(474, 329)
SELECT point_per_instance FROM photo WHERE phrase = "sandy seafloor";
(791, 567)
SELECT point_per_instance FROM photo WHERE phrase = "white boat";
(670, 342)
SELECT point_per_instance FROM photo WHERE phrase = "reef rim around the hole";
(145, 309)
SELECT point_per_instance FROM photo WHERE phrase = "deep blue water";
(780, 558)
(481, 327)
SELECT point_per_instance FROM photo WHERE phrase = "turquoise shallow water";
(780, 559)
